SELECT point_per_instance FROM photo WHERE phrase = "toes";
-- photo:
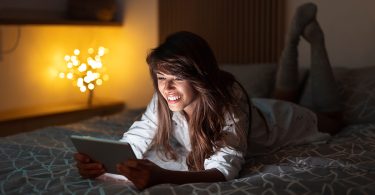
(313, 32)
(303, 16)
(306, 12)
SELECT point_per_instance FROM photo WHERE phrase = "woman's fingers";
(133, 163)
(89, 166)
(128, 171)
(91, 173)
(134, 174)
(91, 170)
(123, 169)
(81, 157)
(141, 172)
(137, 163)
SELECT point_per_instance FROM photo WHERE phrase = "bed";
(41, 162)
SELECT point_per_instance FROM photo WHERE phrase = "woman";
(196, 126)
(197, 109)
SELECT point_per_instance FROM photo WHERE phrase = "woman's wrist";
(165, 176)
(182, 177)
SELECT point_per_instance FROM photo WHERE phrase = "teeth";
(173, 98)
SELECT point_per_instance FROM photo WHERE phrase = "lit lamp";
(86, 73)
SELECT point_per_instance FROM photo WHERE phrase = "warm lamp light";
(87, 72)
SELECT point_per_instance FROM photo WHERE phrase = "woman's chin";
(175, 108)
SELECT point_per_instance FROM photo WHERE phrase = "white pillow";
(257, 79)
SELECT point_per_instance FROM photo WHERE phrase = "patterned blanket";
(41, 162)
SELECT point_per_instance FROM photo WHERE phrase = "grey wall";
(349, 28)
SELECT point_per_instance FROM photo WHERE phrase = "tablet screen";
(108, 152)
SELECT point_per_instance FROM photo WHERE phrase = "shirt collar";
(178, 117)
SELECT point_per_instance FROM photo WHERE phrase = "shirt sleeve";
(141, 133)
(230, 158)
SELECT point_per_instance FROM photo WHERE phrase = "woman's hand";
(87, 167)
(143, 173)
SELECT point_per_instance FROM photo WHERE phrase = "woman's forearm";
(182, 177)
(144, 173)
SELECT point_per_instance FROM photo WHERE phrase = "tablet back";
(108, 152)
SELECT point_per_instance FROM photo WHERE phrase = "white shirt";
(228, 160)
(276, 124)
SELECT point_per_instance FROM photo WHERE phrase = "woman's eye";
(178, 79)
(161, 78)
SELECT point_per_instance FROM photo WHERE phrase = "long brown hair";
(189, 57)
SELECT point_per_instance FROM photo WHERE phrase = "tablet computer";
(108, 152)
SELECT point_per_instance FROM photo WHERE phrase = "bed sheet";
(41, 162)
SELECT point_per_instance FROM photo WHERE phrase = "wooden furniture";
(22, 120)
(69, 12)
(48, 18)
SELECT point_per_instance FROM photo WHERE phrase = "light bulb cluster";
(85, 72)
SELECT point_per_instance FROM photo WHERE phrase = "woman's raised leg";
(286, 85)
(324, 98)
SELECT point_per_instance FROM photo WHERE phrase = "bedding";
(41, 162)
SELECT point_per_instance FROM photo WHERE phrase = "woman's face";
(179, 93)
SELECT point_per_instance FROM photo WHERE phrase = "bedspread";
(41, 162)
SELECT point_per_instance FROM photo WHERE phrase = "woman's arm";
(141, 133)
(139, 136)
(144, 173)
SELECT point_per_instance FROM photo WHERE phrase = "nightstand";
(22, 120)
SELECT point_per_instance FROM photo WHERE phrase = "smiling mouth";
(173, 99)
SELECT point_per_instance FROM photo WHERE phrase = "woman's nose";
(169, 84)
